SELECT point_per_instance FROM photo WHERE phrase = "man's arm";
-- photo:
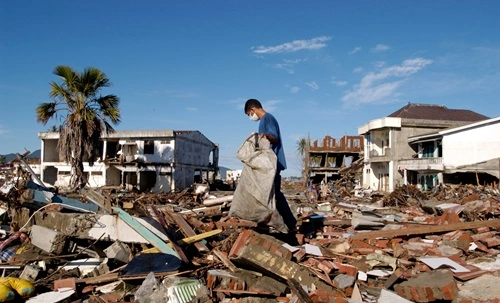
(269, 129)
(271, 138)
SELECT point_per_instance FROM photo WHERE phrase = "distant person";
(269, 128)
(324, 190)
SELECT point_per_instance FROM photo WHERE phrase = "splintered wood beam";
(297, 290)
(187, 230)
(225, 260)
(421, 230)
(172, 243)
(196, 238)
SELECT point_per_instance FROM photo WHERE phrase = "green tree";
(2, 159)
(84, 114)
(303, 150)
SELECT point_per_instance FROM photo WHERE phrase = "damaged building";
(466, 154)
(387, 152)
(156, 160)
(325, 159)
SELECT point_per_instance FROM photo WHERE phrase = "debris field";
(353, 245)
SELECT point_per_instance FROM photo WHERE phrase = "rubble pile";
(354, 245)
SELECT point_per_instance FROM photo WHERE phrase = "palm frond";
(92, 81)
(108, 106)
(301, 146)
(88, 115)
(45, 111)
(67, 75)
(61, 94)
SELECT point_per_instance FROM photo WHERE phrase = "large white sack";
(254, 198)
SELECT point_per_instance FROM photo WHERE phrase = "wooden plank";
(97, 199)
(297, 290)
(225, 260)
(187, 230)
(421, 230)
(146, 233)
(196, 238)
(161, 219)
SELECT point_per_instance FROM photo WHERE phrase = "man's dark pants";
(283, 207)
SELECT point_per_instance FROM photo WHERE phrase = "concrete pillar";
(104, 149)
(440, 178)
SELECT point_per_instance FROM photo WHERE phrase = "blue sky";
(321, 67)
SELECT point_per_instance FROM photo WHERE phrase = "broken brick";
(491, 242)
(429, 287)
(264, 241)
(347, 269)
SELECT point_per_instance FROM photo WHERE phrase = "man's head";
(254, 109)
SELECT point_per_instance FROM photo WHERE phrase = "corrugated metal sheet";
(183, 290)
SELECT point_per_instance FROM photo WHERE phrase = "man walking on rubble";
(269, 128)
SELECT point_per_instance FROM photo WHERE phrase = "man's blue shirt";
(268, 125)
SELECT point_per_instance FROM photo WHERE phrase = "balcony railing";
(422, 164)
(384, 153)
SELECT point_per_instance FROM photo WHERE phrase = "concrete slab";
(480, 289)
(94, 226)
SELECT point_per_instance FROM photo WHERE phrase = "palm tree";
(85, 115)
(303, 150)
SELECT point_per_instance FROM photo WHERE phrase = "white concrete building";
(233, 175)
(386, 148)
(156, 160)
(466, 154)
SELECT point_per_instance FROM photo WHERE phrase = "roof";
(127, 134)
(437, 134)
(436, 112)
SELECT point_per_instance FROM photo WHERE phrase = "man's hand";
(271, 138)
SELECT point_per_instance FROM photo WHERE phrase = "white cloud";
(369, 90)
(313, 85)
(340, 83)
(294, 89)
(381, 48)
(270, 105)
(289, 47)
(355, 50)
(191, 109)
(357, 70)
(379, 64)
(288, 65)
(2, 130)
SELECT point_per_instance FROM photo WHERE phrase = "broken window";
(332, 162)
(149, 147)
(315, 161)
